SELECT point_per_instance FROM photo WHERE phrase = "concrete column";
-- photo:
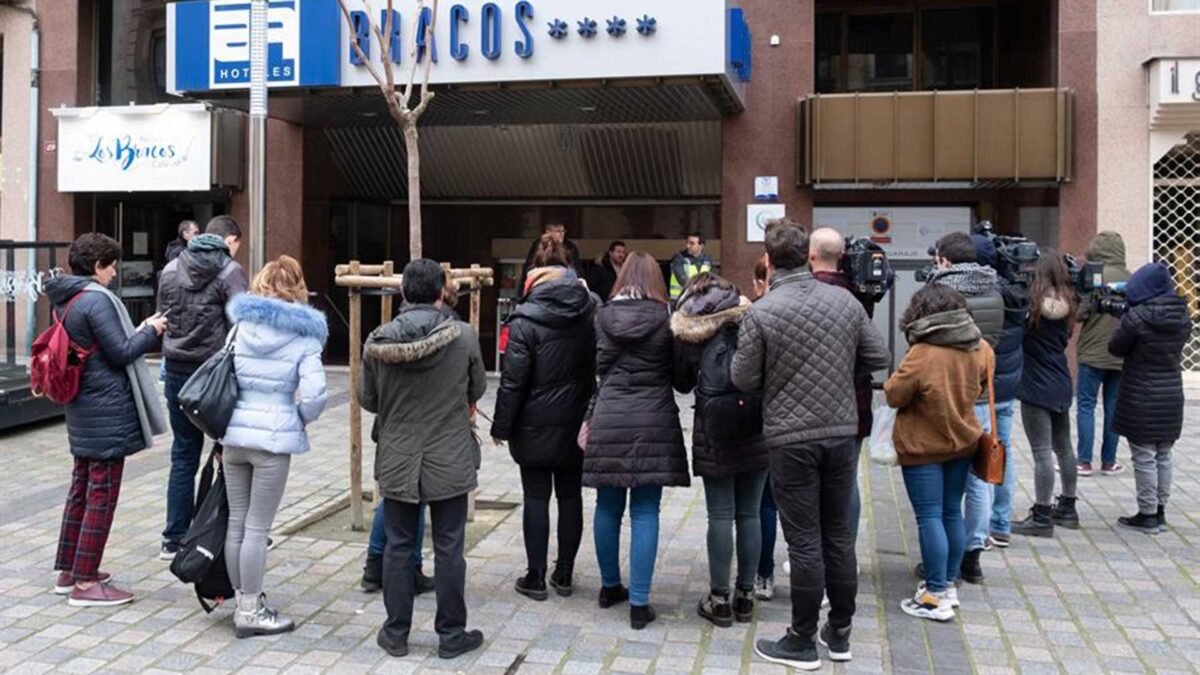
(762, 140)
(1077, 65)
(15, 172)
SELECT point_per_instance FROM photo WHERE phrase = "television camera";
(866, 265)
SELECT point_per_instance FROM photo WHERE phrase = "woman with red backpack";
(114, 413)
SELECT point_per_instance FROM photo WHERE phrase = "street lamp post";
(258, 135)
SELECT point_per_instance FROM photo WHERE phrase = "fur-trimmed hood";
(697, 329)
(285, 317)
(414, 337)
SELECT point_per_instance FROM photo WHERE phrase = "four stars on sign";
(589, 27)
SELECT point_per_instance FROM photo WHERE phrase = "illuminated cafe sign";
(311, 44)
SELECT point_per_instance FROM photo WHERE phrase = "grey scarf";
(970, 279)
(145, 395)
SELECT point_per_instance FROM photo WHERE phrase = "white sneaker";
(926, 605)
(951, 594)
(764, 588)
(787, 567)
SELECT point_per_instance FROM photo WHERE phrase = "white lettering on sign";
(229, 32)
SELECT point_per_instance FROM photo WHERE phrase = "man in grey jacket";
(801, 345)
(422, 376)
(192, 292)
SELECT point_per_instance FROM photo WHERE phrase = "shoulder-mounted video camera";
(1088, 280)
(866, 265)
(1016, 257)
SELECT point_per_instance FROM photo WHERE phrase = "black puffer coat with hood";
(705, 322)
(421, 374)
(195, 287)
(1046, 377)
(1150, 338)
(636, 439)
(549, 375)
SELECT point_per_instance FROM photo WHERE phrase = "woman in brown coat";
(936, 434)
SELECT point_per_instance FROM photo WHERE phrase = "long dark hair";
(932, 299)
(1050, 280)
(641, 274)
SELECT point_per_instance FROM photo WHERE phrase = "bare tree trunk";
(412, 146)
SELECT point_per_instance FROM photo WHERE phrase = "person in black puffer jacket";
(114, 415)
(1151, 338)
(731, 456)
(996, 526)
(547, 382)
(635, 444)
(1046, 394)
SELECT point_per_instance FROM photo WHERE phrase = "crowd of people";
(782, 382)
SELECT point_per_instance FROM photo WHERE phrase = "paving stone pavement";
(1094, 600)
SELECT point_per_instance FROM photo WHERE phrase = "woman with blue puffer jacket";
(281, 390)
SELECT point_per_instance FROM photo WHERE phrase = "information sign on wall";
(134, 148)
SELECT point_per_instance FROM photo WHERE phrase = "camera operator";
(984, 531)
(826, 246)
(1150, 339)
(1097, 367)
(957, 268)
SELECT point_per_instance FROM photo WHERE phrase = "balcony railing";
(986, 136)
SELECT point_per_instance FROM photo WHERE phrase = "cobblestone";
(1097, 599)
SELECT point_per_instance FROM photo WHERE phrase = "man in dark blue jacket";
(993, 528)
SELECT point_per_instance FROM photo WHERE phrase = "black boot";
(1039, 523)
(1149, 524)
(560, 581)
(640, 615)
(716, 609)
(372, 578)
(1064, 514)
(971, 570)
(1162, 515)
(533, 585)
(613, 595)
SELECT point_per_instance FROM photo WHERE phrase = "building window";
(873, 49)
(1167, 6)
(879, 53)
(958, 49)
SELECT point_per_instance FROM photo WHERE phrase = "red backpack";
(56, 362)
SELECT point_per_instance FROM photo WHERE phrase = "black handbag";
(201, 557)
(211, 393)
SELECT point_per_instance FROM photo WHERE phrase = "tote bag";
(211, 393)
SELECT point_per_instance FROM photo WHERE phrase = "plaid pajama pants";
(88, 516)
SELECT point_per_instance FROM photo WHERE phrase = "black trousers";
(566, 482)
(813, 483)
(448, 521)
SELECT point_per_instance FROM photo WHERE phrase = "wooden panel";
(877, 142)
(954, 147)
(997, 149)
(914, 139)
(836, 139)
(1037, 134)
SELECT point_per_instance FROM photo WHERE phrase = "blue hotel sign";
(310, 44)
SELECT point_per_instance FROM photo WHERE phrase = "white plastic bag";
(883, 451)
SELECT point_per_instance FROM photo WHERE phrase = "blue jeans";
(936, 493)
(378, 539)
(1002, 495)
(643, 543)
(978, 507)
(1090, 381)
(185, 460)
(768, 518)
